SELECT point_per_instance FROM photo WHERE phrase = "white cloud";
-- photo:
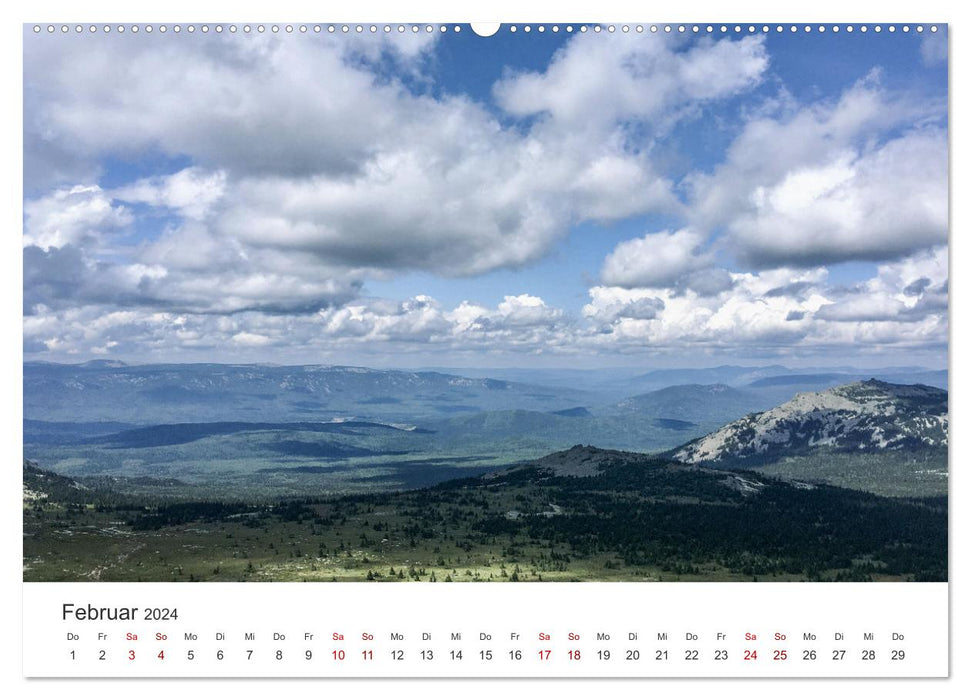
(521, 323)
(422, 319)
(191, 192)
(910, 291)
(314, 168)
(742, 314)
(186, 270)
(824, 183)
(251, 339)
(410, 209)
(72, 216)
(874, 205)
(454, 194)
(779, 311)
(252, 103)
(655, 260)
(782, 310)
(933, 47)
(599, 79)
(611, 303)
(526, 310)
(419, 319)
(307, 146)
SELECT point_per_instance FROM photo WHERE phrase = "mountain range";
(110, 391)
(844, 483)
(319, 429)
(863, 416)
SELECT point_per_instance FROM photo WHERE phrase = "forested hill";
(582, 514)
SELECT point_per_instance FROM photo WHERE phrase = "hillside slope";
(866, 416)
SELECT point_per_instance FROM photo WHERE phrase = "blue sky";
(530, 199)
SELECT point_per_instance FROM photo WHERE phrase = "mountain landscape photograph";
(426, 306)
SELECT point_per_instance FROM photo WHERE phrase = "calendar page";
(520, 350)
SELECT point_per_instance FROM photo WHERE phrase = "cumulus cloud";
(189, 192)
(419, 319)
(706, 281)
(73, 216)
(818, 184)
(251, 339)
(453, 193)
(875, 205)
(917, 287)
(909, 291)
(179, 279)
(641, 309)
(253, 103)
(308, 165)
(655, 260)
(413, 211)
(933, 47)
(610, 307)
(781, 310)
(526, 310)
(903, 305)
(521, 323)
(741, 313)
(861, 178)
(597, 79)
(64, 277)
(314, 165)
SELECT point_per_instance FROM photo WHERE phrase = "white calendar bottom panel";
(486, 630)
